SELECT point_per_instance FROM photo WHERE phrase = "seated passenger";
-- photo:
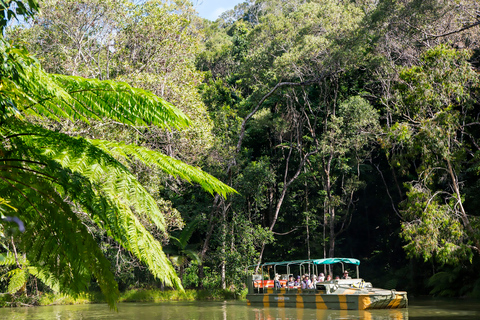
(298, 282)
(345, 275)
(321, 278)
(329, 277)
(314, 282)
(291, 282)
(306, 283)
(277, 282)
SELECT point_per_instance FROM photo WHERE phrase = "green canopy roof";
(337, 260)
(312, 261)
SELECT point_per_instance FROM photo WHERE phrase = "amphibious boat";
(340, 294)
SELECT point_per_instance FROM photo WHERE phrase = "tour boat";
(340, 294)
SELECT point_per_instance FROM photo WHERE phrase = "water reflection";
(418, 310)
(292, 313)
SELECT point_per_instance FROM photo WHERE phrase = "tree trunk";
(224, 244)
(203, 253)
(463, 215)
(331, 249)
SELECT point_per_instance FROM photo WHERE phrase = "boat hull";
(352, 300)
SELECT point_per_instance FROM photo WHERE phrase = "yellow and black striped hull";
(349, 299)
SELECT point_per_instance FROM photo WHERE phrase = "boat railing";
(260, 286)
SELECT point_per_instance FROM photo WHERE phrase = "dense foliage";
(348, 128)
(53, 185)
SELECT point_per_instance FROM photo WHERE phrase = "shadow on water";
(435, 308)
(427, 309)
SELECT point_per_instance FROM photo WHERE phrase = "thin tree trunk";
(242, 135)
(203, 253)
(307, 220)
(463, 214)
(224, 239)
(286, 184)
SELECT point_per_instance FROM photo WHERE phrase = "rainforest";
(146, 148)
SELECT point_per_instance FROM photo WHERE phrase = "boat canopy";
(311, 261)
(336, 260)
(308, 262)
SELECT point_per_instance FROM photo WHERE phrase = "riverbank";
(133, 295)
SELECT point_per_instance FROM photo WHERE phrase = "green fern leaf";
(168, 164)
(18, 278)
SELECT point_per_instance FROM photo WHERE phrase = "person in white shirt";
(321, 277)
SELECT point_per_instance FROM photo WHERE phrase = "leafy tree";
(437, 98)
(53, 181)
(345, 144)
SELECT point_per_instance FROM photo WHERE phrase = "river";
(418, 310)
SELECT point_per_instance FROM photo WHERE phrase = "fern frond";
(187, 232)
(77, 154)
(167, 164)
(55, 240)
(98, 188)
(53, 179)
(8, 259)
(33, 91)
(76, 98)
(120, 101)
(18, 278)
(45, 277)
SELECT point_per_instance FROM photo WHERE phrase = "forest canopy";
(347, 128)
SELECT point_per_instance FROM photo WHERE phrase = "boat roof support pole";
(358, 272)
(263, 280)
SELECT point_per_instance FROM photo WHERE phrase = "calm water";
(418, 309)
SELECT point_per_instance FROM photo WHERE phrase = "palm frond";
(192, 255)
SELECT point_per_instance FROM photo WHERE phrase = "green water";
(421, 309)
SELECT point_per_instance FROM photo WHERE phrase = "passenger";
(329, 278)
(337, 278)
(345, 275)
(277, 282)
(321, 277)
(291, 282)
(314, 282)
(306, 283)
(298, 282)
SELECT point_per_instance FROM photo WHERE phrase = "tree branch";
(432, 37)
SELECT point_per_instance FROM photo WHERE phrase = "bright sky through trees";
(211, 9)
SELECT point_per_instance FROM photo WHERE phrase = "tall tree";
(437, 142)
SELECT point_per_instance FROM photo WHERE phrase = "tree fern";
(53, 181)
